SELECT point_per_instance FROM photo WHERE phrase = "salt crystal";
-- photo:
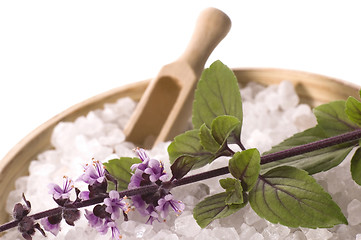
(289, 98)
(186, 225)
(112, 137)
(257, 236)
(165, 234)
(247, 231)
(128, 226)
(317, 234)
(205, 234)
(302, 117)
(354, 212)
(297, 235)
(275, 231)
(142, 230)
(272, 102)
(225, 233)
(89, 125)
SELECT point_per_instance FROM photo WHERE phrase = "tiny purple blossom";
(93, 173)
(114, 204)
(166, 202)
(59, 192)
(143, 157)
(136, 179)
(155, 170)
(153, 215)
(115, 230)
(53, 228)
(93, 220)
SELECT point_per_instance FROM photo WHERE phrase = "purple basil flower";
(166, 202)
(145, 159)
(53, 228)
(93, 220)
(64, 192)
(115, 230)
(156, 171)
(93, 173)
(136, 179)
(153, 215)
(139, 204)
(114, 204)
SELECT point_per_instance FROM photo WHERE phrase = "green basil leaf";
(356, 166)
(332, 118)
(217, 94)
(186, 153)
(234, 189)
(214, 207)
(223, 126)
(291, 197)
(353, 110)
(207, 140)
(245, 166)
(312, 162)
(120, 170)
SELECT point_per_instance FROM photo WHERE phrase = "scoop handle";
(211, 27)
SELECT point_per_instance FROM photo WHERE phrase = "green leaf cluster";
(281, 191)
(217, 120)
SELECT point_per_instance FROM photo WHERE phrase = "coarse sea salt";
(271, 114)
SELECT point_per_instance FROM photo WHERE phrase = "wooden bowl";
(313, 89)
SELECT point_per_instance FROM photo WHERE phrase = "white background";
(54, 54)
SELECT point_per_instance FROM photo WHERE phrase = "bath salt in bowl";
(276, 105)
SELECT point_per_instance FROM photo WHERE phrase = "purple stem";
(309, 147)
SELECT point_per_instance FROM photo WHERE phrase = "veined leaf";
(291, 197)
(356, 166)
(223, 126)
(312, 162)
(234, 189)
(186, 153)
(353, 110)
(332, 118)
(215, 138)
(217, 94)
(120, 170)
(207, 140)
(245, 166)
(214, 207)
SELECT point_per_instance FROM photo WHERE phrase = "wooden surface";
(312, 88)
(162, 111)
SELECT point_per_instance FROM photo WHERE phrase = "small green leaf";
(120, 170)
(234, 189)
(332, 118)
(217, 94)
(186, 153)
(312, 162)
(214, 207)
(223, 126)
(356, 166)
(291, 197)
(245, 166)
(353, 110)
(207, 140)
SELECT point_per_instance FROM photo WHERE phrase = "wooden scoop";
(165, 106)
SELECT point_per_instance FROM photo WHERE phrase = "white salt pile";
(270, 115)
